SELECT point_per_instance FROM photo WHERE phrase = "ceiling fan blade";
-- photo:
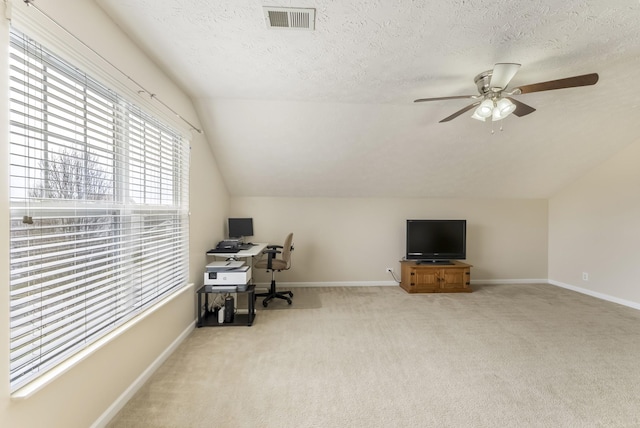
(522, 109)
(502, 74)
(459, 112)
(457, 97)
(569, 82)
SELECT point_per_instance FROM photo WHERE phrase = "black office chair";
(273, 264)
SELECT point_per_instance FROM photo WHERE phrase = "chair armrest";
(271, 253)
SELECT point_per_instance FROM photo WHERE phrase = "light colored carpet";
(503, 356)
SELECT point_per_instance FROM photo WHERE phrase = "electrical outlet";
(389, 270)
(585, 276)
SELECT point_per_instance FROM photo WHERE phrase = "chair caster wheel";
(265, 304)
(289, 301)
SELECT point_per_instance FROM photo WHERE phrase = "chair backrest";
(286, 250)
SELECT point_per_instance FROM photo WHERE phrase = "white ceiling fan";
(495, 101)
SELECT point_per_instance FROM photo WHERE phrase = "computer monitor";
(240, 227)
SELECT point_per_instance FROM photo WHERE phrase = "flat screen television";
(240, 227)
(436, 241)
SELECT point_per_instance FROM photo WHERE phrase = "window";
(99, 210)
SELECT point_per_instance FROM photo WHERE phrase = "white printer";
(227, 273)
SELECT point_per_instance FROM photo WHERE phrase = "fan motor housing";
(483, 81)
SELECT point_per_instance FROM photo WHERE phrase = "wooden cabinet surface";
(454, 277)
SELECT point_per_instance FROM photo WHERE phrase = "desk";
(255, 250)
(251, 252)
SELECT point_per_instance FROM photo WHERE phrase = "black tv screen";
(240, 227)
(436, 240)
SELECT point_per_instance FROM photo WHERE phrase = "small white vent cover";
(290, 18)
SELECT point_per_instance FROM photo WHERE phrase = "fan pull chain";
(493, 131)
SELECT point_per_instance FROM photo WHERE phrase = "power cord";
(393, 274)
(215, 302)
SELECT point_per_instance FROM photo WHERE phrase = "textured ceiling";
(330, 112)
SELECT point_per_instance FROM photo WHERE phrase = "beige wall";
(352, 239)
(80, 396)
(209, 203)
(594, 227)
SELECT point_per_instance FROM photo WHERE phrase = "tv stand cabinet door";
(455, 279)
(420, 279)
(426, 279)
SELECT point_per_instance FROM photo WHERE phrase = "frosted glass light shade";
(505, 106)
(476, 117)
(485, 108)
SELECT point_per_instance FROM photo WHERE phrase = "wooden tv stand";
(454, 277)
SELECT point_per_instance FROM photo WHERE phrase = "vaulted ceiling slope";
(330, 112)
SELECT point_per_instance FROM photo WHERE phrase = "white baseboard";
(117, 405)
(508, 281)
(285, 285)
(596, 294)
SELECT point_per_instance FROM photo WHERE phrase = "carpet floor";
(531, 355)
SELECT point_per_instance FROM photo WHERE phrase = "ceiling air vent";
(289, 17)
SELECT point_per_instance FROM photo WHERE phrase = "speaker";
(229, 309)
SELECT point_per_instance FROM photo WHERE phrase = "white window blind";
(99, 210)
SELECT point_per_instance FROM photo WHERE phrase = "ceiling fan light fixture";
(476, 117)
(505, 106)
(496, 115)
(485, 109)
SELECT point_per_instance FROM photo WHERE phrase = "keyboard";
(223, 250)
